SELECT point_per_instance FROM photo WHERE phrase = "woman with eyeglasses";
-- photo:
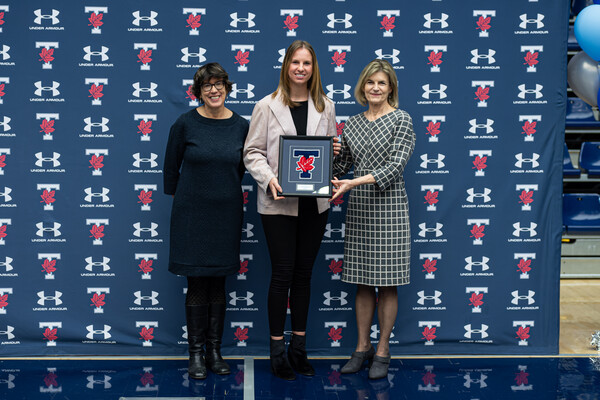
(203, 171)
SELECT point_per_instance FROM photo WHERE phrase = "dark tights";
(205, 290)
(293, 246)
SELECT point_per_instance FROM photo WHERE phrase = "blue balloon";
(587, 30)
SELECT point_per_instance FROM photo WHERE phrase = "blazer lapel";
(283, 115)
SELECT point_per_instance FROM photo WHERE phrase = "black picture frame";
(294, 179)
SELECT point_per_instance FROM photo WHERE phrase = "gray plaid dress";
(377, 246)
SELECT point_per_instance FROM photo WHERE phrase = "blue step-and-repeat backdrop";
(88, 91)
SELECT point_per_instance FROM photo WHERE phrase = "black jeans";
(293, 246)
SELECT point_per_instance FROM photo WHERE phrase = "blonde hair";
(374, 67)
(315, 87)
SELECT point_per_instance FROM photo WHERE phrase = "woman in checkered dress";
(378, 143)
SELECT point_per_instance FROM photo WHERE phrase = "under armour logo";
(537, 91)
(341, 298)
(98, 264)
(345, 20)
(517, 297)
(329, 230)
(41, 159)
(139, 89)
(427, 91)
(469, 331)
(4, 52)
(532, 160)
(489, 56)
(89, 124)
(104, 332)
(235, 298)
(235, 20)
(480, 381)
(43, 298)
(435, 298)
(483, 263)
(52, 17)
(152, 298)
(345, 91)
(5, 123)
(53, 89)
(442, 21)
(425, 161)
(487, 126)
(7, 264)
(53, 229)
(138, 18)
(9, 333)
(424, 230)
(235, 91)
(138, 160)
(485, 195)
(392, 58)
(6, 197)
(89, 53)
(530, 229)
(537, 21)
(152, 229)
(91, 195)
(186, 54)
(105, 382)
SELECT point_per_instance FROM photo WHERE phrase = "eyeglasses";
(207, 87)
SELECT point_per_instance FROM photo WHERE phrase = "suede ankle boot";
(280, 366)
(297, 356)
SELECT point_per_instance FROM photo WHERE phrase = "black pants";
(293, 246)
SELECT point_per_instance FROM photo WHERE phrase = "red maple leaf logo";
(49, 266)
(433, 129)
(145, 197)
(3, 301)
(338, 200)
(434, 58)
(96, 91)
(524, 265)
(193, 21)
(2, 231)
(531, 58)
(95, 20)
(144, 56)
(290, 23)
(47, 126)
(243, 267)
(239, 377)
(241, 334)
(484, 23)
(340, 128)
(482, 93)
(2, 159)
(46, 55)
(189, 93)
(431, 197)
(479, 163)
(523, 333)
(477, 231)
(98, 300)
(339, 58)
(429, 333)
(245, 197)
(96, 162)
(50, 378)
(97, 231)
(2, 18)
(521, 378)
(388, 23)
(476, 299)
(429, 266)
(335, 334)
(145, 266)
(145, 127)
(147, 378)
(146, 333)
(529, 128)
(526, 197)
(335, 267)
(242, 58)
(305, 164)
(50, 334)
(48, 196)
(429, 377)
(335, 378)
(2, 90)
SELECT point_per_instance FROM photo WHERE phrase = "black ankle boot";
(280, 366)
(197, 320)
(216, 321)
(297, 356)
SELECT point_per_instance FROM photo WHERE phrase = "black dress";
(204, 170)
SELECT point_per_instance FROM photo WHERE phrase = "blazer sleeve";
(403, 145)
(343, 161)
(173, 157)
(255, 148)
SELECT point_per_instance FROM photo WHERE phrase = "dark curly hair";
(205, 73)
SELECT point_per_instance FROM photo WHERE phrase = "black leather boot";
(197, 321)
(280, 366)
(297, 356)
(216, 322)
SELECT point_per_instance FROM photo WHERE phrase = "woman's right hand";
(275, 188)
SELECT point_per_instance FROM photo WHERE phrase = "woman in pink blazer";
(293, 226)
